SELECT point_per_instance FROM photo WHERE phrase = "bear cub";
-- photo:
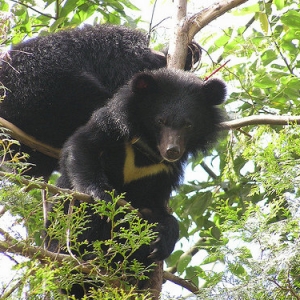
(139, 143)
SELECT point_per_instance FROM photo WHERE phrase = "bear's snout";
(173, 153)
(171, 146)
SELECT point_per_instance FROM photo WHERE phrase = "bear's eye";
(161, 122)
(188, 125)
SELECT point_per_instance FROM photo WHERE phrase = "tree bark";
(184, 29)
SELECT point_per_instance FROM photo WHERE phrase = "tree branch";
(28, 140)
(34, 184)
(17, 247)
(186, 28)
(182, 282)
(260, 120)
(204, 17)
(179, 39)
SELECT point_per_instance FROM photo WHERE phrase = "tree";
(243, 213)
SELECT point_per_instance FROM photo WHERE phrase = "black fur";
(55, 82)
(173, 113)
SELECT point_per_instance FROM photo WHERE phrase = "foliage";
(41, 274)
(242, 217)
(246, 214)
(27, 18)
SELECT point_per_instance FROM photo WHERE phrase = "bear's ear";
(215, 91)
(143, 83)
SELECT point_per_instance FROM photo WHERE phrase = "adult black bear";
(54, 83)
(139, 142)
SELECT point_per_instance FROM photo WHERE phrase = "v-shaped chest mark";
(132, 172)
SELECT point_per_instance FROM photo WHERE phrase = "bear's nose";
(173, 153)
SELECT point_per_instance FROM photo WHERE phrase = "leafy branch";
(44, 256)
(36, 184)
(33, 9)
(10, 244)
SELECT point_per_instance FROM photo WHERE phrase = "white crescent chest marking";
(132, 172)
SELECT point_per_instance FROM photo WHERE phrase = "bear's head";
(174, 112)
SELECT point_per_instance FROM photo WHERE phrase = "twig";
(8, 293)
(182, 282)
(68, 233)
(276, 44)
(216, 70)
(11, 258)
(291, 288)
(34, 184)
(44, 256)
(18, 247)
(288, 289)
(32, 8)
(160, 22)
(151, 21)
(2, 211)
(208, 170)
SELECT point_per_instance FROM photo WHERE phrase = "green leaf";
(19, 10)
(291, 18)
(68, 8)
(279, 4)
(292, 34)
(199, 203)
(212, 258)
(130, 5)
(268, 56)
(215, 232)
(4, 6)
(264, 23)
(291, 82)
(174, 258)
(191, 274)
(247, 10)
(221, 41)
(57, 24)
(183, 263)
(238, 270)
(265, 81)
(289, 46)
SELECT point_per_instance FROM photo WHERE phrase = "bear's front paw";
(168, 233)
(160, 249)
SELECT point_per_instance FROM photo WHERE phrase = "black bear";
(138, 144)
(54, 83)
